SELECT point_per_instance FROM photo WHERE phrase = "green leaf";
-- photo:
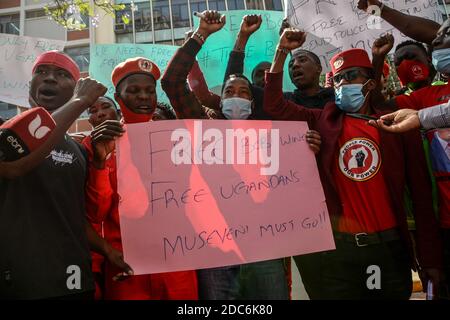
(125, 19)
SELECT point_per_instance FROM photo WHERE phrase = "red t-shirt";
(358, 176)
(425, 97)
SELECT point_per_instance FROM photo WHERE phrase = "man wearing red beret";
(135, 83)
(363, 173)
(43, 231)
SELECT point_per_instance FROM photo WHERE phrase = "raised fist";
(292, 38)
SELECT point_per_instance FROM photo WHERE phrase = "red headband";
(60, 60)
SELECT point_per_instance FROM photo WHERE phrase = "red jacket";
(404, 162)
(102, 199)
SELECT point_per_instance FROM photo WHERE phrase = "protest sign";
(197, 194)
(213, 57)
(105, 57)
(17, 55)
(334, 26)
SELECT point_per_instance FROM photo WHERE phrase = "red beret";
(60, 60)
(133, 66)
(350, 59)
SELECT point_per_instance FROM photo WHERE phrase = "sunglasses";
(349, 75)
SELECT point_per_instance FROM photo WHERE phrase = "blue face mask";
(236, 108)
(441, 60)
(349, 97)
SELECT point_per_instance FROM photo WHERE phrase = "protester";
(135, 84)
(103, 109)
(266, 279)
(413, 66)
(43, 231)
(363, 187)
(304, 69)
(259, 72)
(424, 98)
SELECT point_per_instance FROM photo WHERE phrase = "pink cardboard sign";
(198, 194)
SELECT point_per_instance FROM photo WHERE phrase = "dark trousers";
(444, 290)
(264, 280)
(347, 272)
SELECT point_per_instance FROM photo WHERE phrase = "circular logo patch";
(338, 63)
(145, 65)
(417, 70)
(359, 159)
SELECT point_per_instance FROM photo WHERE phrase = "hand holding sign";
(250, 24)
(103, 140)
(210, 21)
(314, 140)
(292, 39)
(383, 45)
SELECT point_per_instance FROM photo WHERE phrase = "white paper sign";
(17, 55)
(337, 25)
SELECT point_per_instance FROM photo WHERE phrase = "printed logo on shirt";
(359, 159)
(62, 157)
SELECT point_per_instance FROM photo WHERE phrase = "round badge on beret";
(338, 63)
(417, 70)
(145, 65)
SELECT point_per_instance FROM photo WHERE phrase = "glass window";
(180, 13)
(34, 14)
(198, 5)
(255, 4)
(81, 56)
(169, 42)
(142, 18)
(161, 15)
(10, 24)
(235, 4)
(274, 5)
(218, 5)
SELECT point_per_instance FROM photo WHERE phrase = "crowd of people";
(383, 166)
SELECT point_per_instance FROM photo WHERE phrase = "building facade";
(155, 21)
(166, 21)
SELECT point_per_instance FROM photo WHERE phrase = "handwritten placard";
(17, 55)
(334, 26)
(105, 57)
(197, 194)
(213, 57)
